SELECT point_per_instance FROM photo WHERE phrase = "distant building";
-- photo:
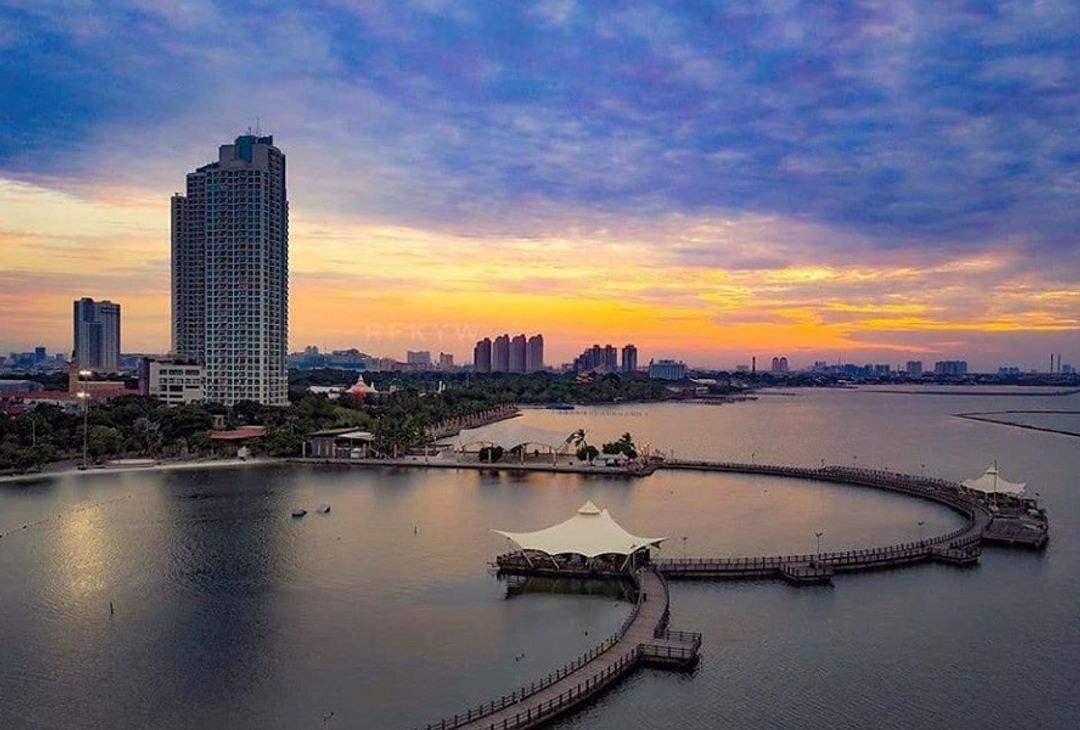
(420, 357)
(518, 347)
(500, 355)
(629, 359)
(779, 365)
(820, 366)
(534, 354)
(1009, 370)
(882, 370)
(97, 335)
(667, 370)
(951, 367)
(446, 361)
(914, 368)
(1068, 369)
(611, 359)
(20, 386)
(172, 381)
(40, 355)
(482, 356)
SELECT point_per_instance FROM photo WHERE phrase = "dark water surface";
(228, 613)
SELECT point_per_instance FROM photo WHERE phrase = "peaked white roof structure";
(991, 482)
(590, 532)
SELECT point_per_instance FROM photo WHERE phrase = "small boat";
(299, 512)
(560, 407)
(323, 509)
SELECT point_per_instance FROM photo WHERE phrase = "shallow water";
(230, 613)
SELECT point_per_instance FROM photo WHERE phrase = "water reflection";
(230, 613)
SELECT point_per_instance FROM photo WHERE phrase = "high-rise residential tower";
(629, 359)
(97, 334)
(230, 272)
(518, 348)
(534, 354)
(500, 355)
(482, 356)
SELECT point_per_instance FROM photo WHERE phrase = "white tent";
(590, 532)
(992, 483)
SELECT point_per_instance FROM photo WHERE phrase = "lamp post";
(84, 395)
(684, 547)
(818, 536)
(921, 523)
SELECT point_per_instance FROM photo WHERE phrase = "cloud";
(738, 155)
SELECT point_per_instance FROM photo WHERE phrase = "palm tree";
(577, 438)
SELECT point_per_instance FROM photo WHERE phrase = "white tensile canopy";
(991, 482)
(590, 532)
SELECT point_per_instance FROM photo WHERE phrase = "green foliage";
(587, 453)
(625, 445)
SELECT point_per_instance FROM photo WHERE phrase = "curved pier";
(645, 639)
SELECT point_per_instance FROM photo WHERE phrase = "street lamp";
(84, 396)
(818, 536)
(684, 547)
(921, 523)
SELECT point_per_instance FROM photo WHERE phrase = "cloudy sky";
(867, 181)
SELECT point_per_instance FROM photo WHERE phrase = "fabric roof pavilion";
(992, 483)
(590, 532)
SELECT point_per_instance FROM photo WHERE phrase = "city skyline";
(850, 206)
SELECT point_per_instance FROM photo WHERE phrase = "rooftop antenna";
(258, 128)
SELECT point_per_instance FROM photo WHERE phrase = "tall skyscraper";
(518, 347)
(230, 272)
(629, 359)
(500, 355)
(482, 356)
(97, 334)
(534, 354)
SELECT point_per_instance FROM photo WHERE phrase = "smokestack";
(753, 364)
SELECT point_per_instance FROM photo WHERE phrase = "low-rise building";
(20, 386)
(172, 381)
(667, 369)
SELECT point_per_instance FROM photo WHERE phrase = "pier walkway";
(643, 640)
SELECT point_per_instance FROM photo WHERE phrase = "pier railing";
(473, 714)
(530, 716)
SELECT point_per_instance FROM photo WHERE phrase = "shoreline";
(166, 466)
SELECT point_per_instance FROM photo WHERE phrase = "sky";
(856, 181)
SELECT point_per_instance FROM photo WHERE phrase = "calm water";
(229, 613)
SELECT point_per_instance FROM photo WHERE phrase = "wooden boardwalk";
(643, 639)
(959, 547)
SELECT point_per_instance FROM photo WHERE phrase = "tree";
(105, 441)
(587, 453)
